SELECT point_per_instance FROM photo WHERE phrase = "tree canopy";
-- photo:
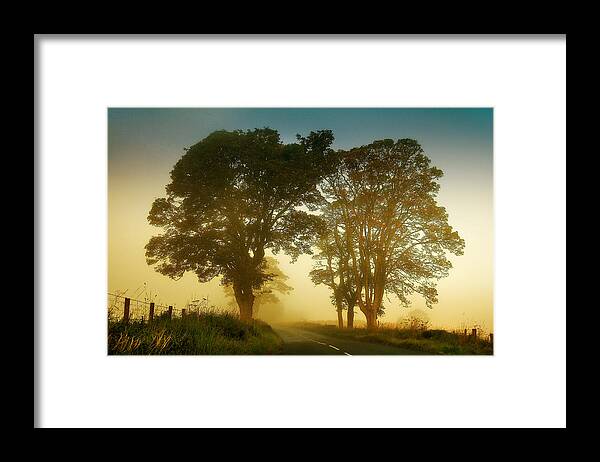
(395, 233)
(232, 196)
(371, 212)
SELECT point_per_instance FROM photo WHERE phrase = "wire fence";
(127, 309)
(121, 308)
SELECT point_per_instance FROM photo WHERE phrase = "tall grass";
(210, 333)
(414, 337)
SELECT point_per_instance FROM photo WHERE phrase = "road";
(304, 342)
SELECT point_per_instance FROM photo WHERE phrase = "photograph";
(245, 232)
(300, 231)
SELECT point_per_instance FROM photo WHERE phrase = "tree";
(266, 294)
(232, 196)
(332, 267)
(395, 233)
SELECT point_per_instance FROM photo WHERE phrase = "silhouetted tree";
(332, 267)
(232, 196)
(267, 293)
(395, 233)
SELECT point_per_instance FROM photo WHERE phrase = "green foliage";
(396, 234)
(212, 333)
(379, 230)
(233, 195)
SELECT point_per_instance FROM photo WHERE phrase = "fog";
(141, 157)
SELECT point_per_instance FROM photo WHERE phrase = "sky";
(145, 143)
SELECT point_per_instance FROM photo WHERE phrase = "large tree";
(396, 234)
(332, 266)
(232, 196)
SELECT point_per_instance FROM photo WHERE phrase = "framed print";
(265, 228)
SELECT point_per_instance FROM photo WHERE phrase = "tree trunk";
(245, 300)
(339, 305)
(371, 319)
(350, 323)
(340, 318)
(246, 310)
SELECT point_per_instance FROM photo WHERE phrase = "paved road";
(304, 342)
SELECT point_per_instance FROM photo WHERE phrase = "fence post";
(491, 338)
(151, 313)
(465, 332)
(170, 312)
(183, 313)
(474, 333)
(126, 310)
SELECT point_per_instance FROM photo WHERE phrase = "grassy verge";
(212, 333)
(435, 342)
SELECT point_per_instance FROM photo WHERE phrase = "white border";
(522, 385)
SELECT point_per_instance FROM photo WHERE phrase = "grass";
(211, 333)
(430, 341)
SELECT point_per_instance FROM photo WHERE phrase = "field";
(424, 341)
(210, 333)
(216, 332)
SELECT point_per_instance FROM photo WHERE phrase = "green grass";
(436, 342)
(212, 333)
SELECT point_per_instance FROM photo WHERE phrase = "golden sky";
(144, 144)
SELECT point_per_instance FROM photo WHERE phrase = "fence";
(131, 309)
(474, 335)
